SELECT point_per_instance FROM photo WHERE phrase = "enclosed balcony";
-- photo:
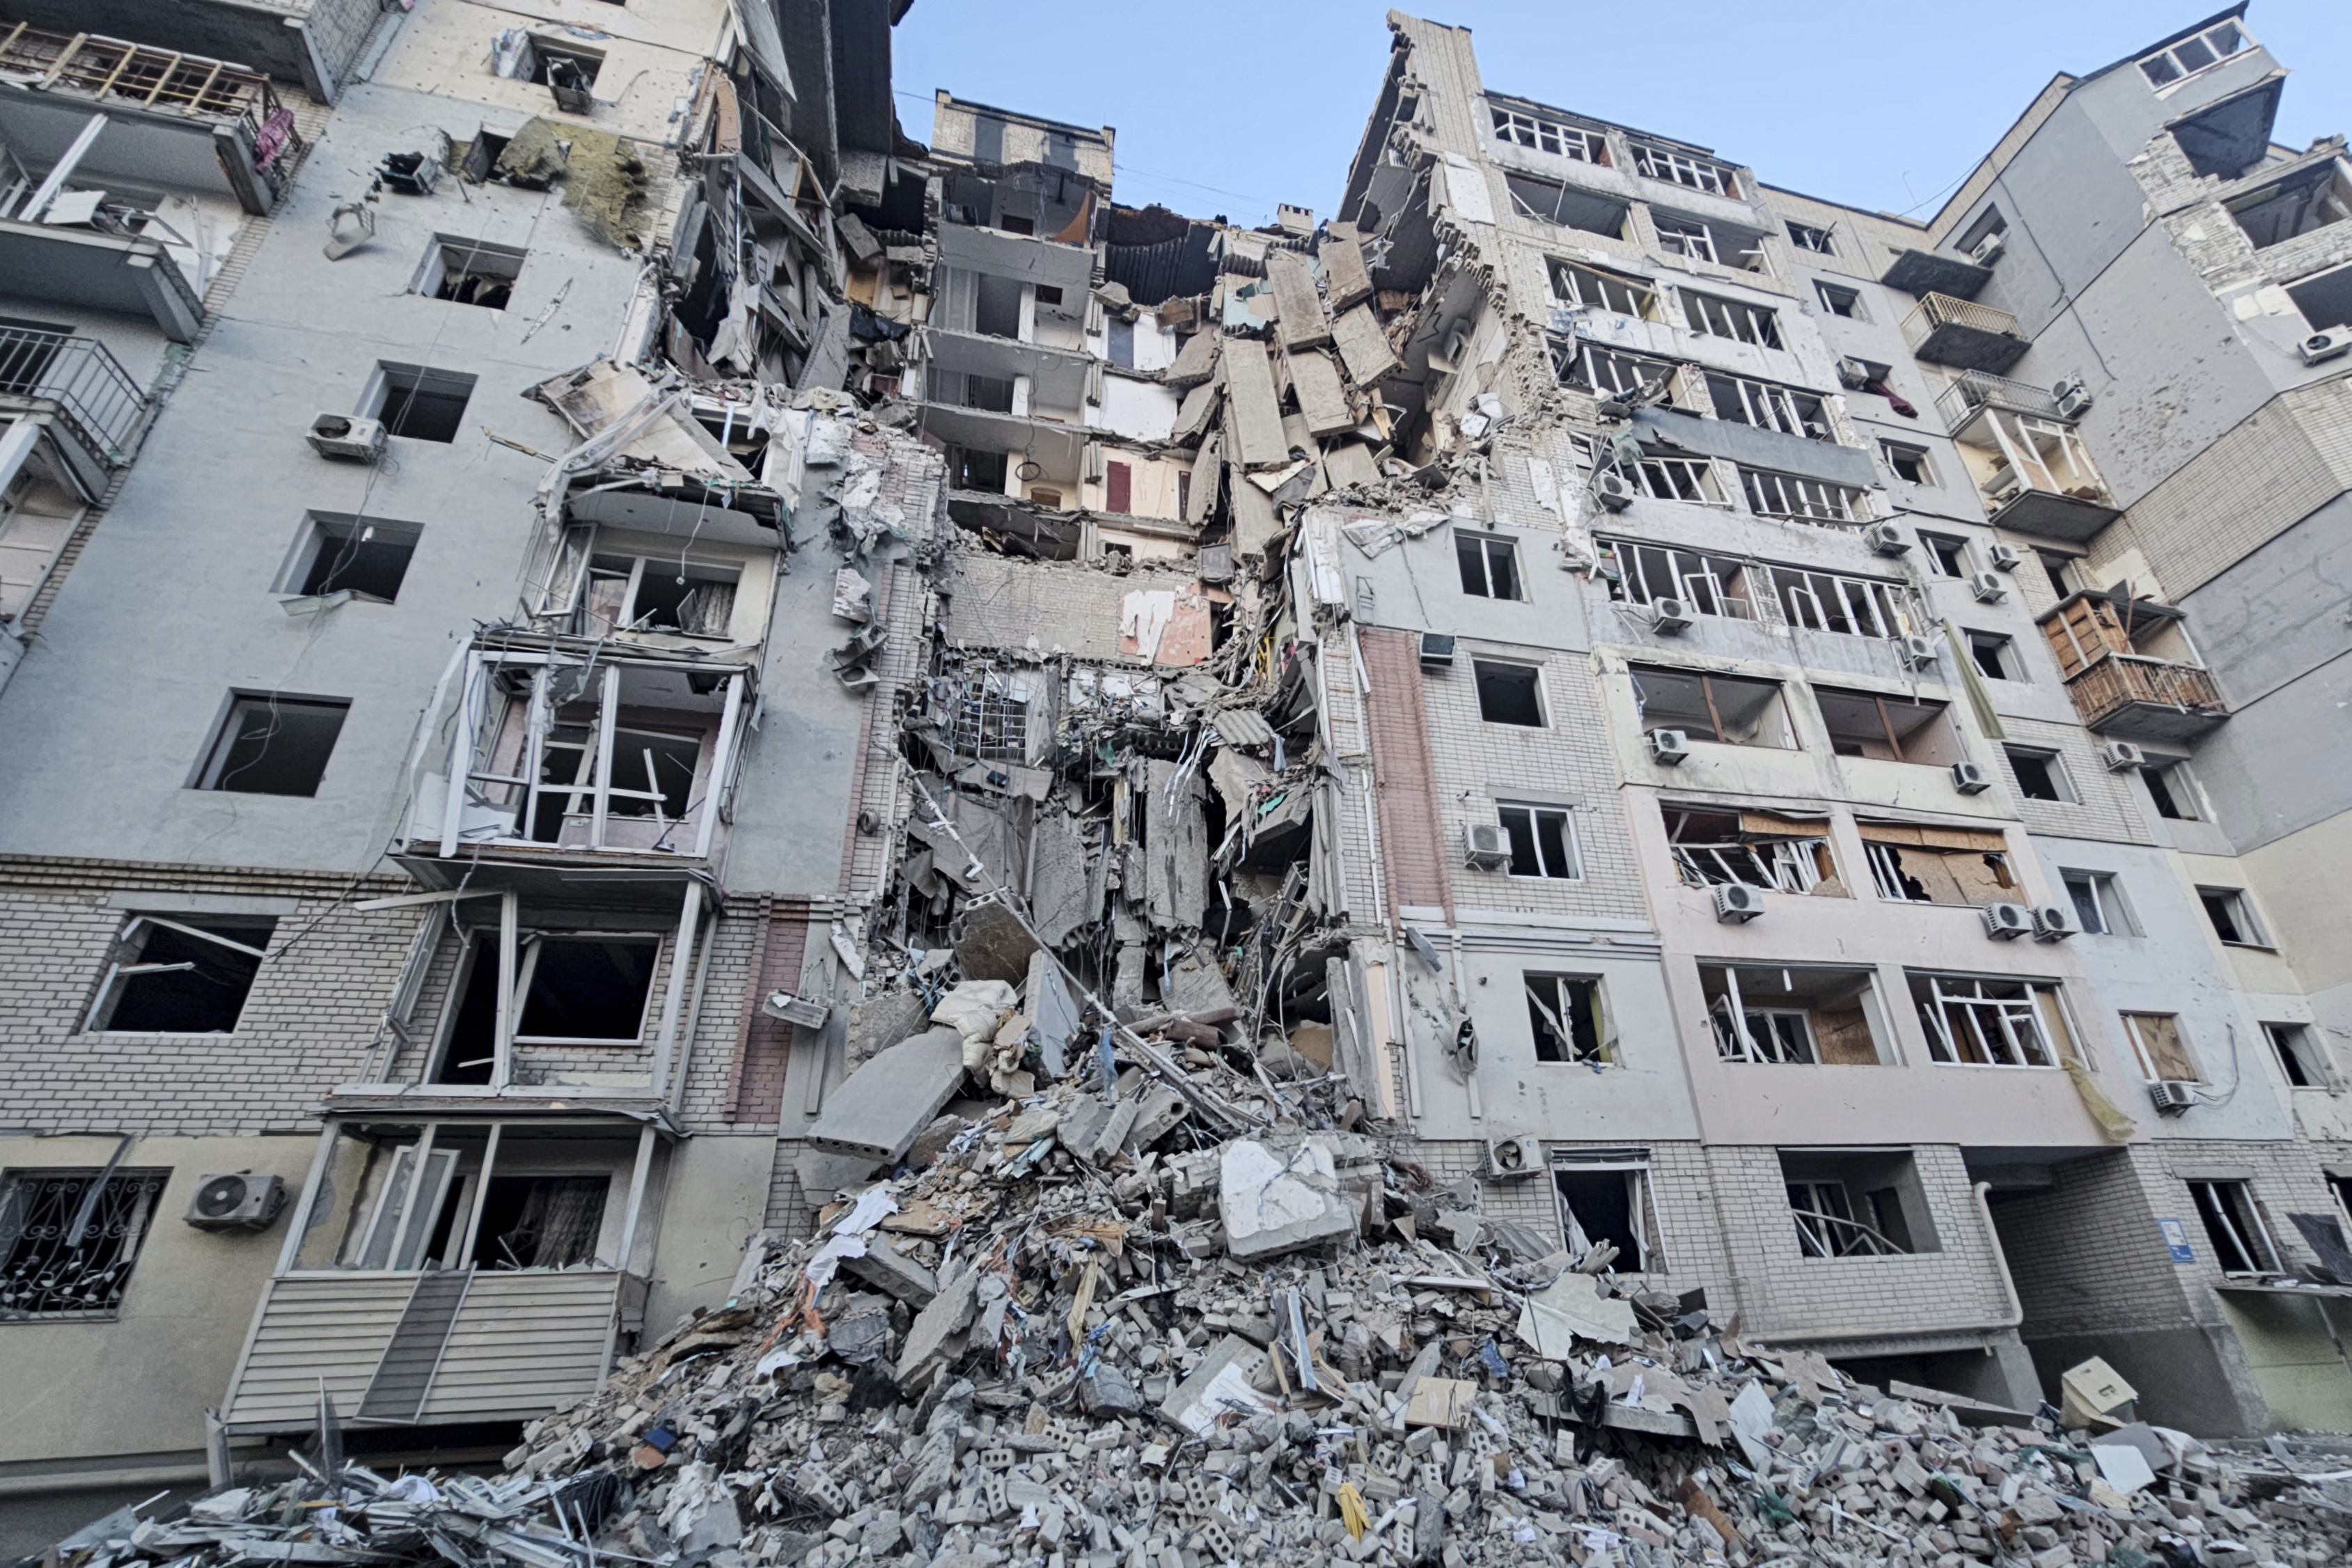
(1961, 334)
(2130, 667)
(2033, 473)
(72, 384)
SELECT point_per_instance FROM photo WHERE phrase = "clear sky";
(1225, 107)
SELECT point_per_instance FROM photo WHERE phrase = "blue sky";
(1230, 108)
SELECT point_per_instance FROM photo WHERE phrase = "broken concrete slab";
(936, 1327)
(893, 1273)
(876, 1112)
(991, 943)
(1302, 323)
(1571, 1308)
(1200, 491)
(1064, 893)
(1277, 1198)
(1253, 417)
(1222, 1385)
(1344, 274)
(1363, 347)
(1321, 397)
(1053, 1012)
(1196, 361)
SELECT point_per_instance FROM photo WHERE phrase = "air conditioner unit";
(1737, 903)
(2006, 922)
(2072, 397)
(239, 1202)
(1988, 249)
(2327, 345)
(2121, 756)
(1852, 373)
(1509, 1159)
(1612, 491)
(1970, 778)
(1670, 616)
(1986, 587)
(1485, 847)
(1436, 650)
(1669, 747)
(804, 1011)
(1918, 652)
(2004, 558)
(2172, 1097)
(343, 435)
(2054, 922)
(1887, 539)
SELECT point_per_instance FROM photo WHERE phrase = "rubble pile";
(1081, 1328)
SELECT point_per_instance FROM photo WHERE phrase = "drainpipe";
(2000, 1259)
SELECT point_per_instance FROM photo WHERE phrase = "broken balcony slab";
(1321, 397)
(1302, 323)
(1363, 347)
(1344, 274)
(1196, 361)
(879, 1109)
(1254, 417)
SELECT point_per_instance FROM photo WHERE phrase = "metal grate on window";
(68, 1238)
(988, 720)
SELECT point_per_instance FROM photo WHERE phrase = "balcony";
(80, 391)
(1963, 335)
(2033, 473)
(2131, 669)
(1923, 272)
(1975, 390)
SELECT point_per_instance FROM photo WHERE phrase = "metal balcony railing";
(1936, 311)
(2114, 682)
(1977, 389)
(111, 71)
(96, 397)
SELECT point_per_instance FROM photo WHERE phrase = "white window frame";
(1569, 355)
(2055, 763)
(1558, 1018)
(1523, 130)
(1687, 238)
(529, 946)
(2288, 1038)
(1797, 233)
(2266, 1259)
(1792, 497)
(2252, 932)
(1824, 288)
(1768, 406)
(1488, 544)
(1715, 316)
(1775, 865)
(2169, 58)
(712, 569)
(1569, 287)
(1637, 1207)
(1686, 169)
(2016, 1031)
(2107, 904)
(1926, 460)
(1534, 812)
(118, 970)
(1788, 1034)
(1711, 584)
(1840, 606)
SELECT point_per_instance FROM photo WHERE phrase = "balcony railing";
(1963, 335)
(2109, 691)
(1977, 389)
(96, 399)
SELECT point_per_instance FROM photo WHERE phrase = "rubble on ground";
(1084, 1327)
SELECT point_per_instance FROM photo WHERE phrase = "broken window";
(991, 718)
(541, 1222)
(2302, 1060)
(1812, 237)
(364, 557)
(1606, 1198)
(1735, 319)
(2098, 903)
(996, 308)
(1700, 241)
(1684, 169)
(1714, 849)
(1857, 1204)
(2054, 567)
(1975, 1021)
(69, 1239)
(585, 988)
(1792, 1015)
(1644, 573)
(2233, 916)
(1490, 566)
(1564, 1010)
(971, 470)
(1119, 342)
(1789, 410)
(1995, 655)
(2325, 300)
(1947, 556)
(1574, 285)
(469, 272)
(1911, 863)
(993, 394)
(1728, 708)
(660, 594)
(421, 403)
(2172, 790)
(1608, 373)
(566, 72)
(2193, 54)
(1890, 729)
(1909, 463)
(2040, 774)
(1543, 841)
(2242, 1242)
(180, 975)
(1790, 498)
(1659, 478)
(269, 745)
(1550, 136)
(1839, 300)
(1549, 201)
(1509, 693)
(1853, 606)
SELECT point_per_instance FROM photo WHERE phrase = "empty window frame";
(1543, 841)
(1857, 1204)
(1550, 136)
(2234, 1224)
(1851, 607)
(660, 594)
(1644, 573)
(2056, 569)
(1727, 709)
(1549, 201)
(2173, 791)
(1564, 1011)
(421, 403)
(1812, 237)
(991, 717)
(541, 1222)
(1685, 238)
(585, 988)
(1912, 863)
(1684, 169)
(2159, 1049)
(1490, 566)
(69, 1239)
(181, 974)
(2231, 914)
(2040, 775)
(365, 557)
(1907, 463)
(1979, 1021)
(1947, 556)
(1663, 478)
(2300, 1055)
(1790, 410)
(566, 72)
(1790, 497)
(1839, 300)
(1784, 1015)
(1572, 285)
(1509, 693)
(1606, 1200)
(1995, 657)
(972, 470)
(1717, 317)
(1606, 372)
(2193, 54)
(2098, 900)
(469, 272)
(1890, 729)
(1714, 847)
(272, 744)
(2029, 453)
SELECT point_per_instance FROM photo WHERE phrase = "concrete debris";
(879, 1109)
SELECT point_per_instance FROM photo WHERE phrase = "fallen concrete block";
(879, 1109)
(887, 1270)
(1275, 1199)
(937, 1327)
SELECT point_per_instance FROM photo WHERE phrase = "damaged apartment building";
(1722, 718)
